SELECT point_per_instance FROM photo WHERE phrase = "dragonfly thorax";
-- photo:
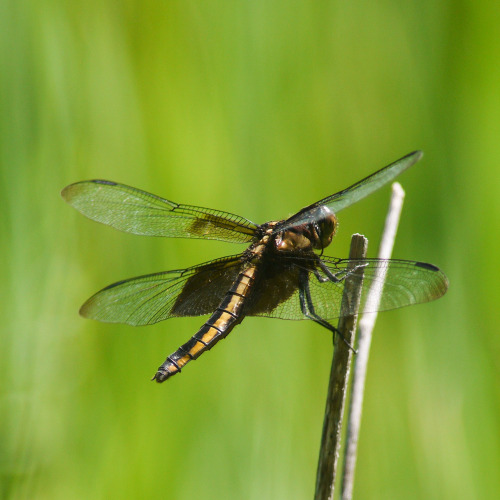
(317, 234)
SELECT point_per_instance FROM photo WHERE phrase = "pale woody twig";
(366, 325)
(339, 376)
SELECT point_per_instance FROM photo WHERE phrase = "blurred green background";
(256, 108)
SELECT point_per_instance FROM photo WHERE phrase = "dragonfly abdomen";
(217, 327)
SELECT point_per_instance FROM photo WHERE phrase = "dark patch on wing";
(204, 290)
(108, 183)
(276, 283)
(203, 224)
(425, 265)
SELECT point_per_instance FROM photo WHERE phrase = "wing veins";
(132, 210)
(135, 301)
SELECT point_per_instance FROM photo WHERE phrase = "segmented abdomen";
(218, 326)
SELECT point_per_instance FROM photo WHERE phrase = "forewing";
(404, 283)
(148, 299)
(356, 192)
(134, 211)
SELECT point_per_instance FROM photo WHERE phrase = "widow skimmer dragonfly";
(279, 275)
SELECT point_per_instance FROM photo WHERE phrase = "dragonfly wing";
(356, 192)
(148, 299)
(402, 283)
(134, 211)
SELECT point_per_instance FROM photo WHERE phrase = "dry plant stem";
(366, 325)
(339, 376)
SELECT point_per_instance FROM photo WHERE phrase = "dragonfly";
(283, 273)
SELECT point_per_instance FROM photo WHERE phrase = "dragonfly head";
(323, 228)
(314, 233)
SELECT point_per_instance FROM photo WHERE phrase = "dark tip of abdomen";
(161, 376)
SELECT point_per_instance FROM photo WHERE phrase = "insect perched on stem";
(279, 275)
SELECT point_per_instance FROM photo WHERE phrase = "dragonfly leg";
(322, 279)
(337, 277)
(307, 306)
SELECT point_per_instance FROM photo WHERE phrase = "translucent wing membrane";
(198, 290)
(406, 283)
(145, 300)
(356, 192)
(135, 211)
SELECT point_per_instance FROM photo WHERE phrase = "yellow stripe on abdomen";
(217, 327)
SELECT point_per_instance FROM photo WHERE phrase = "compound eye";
(327, 225)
